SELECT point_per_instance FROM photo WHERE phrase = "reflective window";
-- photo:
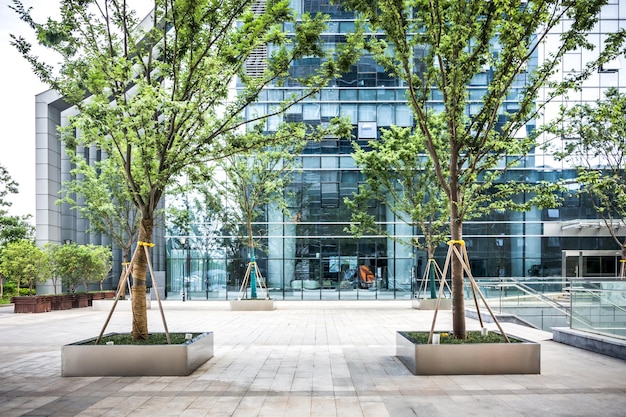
(385, 115)
(367, 112)
(350, 111)
(404, 116)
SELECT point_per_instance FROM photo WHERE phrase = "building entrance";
(591, 263)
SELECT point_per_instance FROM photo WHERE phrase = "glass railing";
(595, 305)
(599, 306)
(543, 303)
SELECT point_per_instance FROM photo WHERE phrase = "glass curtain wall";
(309, 255)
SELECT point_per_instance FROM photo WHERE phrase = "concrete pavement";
(317, 359)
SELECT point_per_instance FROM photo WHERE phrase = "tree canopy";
(595, 145)
(98, 193)
(12, 227)
(24, 263)
(399, 176)
(80, 264)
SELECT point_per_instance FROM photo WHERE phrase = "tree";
(80, 264)
(254, 180)
(7, 186)
(23, 262)
(69, 261)
(399, 176)
(12, 228)
(97, 191)
(99, 264)
(50, 250)
(158, 92)
(437, 48)
(595, 138)
(196, 217)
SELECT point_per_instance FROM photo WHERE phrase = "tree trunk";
(139, 270)
(432, 271)
(458, 293)
(252, 261)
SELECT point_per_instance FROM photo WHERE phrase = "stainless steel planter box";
(430, 303)
(469, 358)
(252, 305)
(80, 359)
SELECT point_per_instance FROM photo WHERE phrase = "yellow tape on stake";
(148, 244)
(455, 242)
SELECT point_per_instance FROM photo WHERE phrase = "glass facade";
(310, 255)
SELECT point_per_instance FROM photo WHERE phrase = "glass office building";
(310, 255)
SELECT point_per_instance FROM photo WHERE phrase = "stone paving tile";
(320, 359)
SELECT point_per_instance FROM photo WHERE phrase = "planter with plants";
(159, 354)
(441, 353)
(81, 300)
(62, 301)
(25, 264)
(478, 354)
(432, 272)
(95, 296)
(98, 296)
(120, 355)
(31, 304)
(108, 295)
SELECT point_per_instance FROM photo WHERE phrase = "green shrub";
(153, 339)
(472, 337)
(9, 288)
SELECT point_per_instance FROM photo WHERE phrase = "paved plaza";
(318, 359)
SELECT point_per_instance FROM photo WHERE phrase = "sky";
(18, 87)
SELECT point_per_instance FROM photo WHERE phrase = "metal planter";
(81, 359)
(469, 358)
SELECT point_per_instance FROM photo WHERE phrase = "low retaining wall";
(605, 345)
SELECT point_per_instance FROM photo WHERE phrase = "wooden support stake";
(474, 286)
(117, 297)
(155, 285)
